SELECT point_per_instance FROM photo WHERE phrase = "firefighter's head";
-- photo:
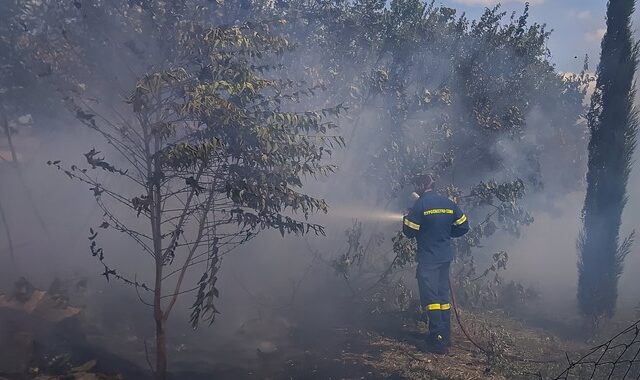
(424, 182)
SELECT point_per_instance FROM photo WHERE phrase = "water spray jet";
(366, 214)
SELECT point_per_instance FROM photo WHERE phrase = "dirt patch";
(359, 347)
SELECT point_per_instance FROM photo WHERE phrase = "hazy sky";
(578, 25)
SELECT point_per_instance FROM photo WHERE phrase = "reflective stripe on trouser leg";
(428, 279)
(444, 297)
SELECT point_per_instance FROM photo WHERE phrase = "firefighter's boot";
(446, 324)
(436, 345)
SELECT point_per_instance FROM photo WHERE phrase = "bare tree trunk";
(4, 221)
(161, 337)
(154, 194)
(7, 132)
(158, 314)
(14, 161)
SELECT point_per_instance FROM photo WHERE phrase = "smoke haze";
(282, 282)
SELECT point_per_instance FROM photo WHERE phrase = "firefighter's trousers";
(433, 284)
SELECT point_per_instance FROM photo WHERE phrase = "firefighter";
(433, 221)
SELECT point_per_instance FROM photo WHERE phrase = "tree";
(439, 92)
(217, 150)
(613, 124)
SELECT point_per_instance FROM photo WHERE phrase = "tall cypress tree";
(612, 121)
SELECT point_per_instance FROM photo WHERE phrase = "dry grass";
(390, 357)
(514, 351)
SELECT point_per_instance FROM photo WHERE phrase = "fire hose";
(459, 320)
(479, 347)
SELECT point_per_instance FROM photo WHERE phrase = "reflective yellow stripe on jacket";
(410, 224)
(462, 219)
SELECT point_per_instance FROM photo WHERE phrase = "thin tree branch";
(135, 285)
(180, 223)
(196, 243)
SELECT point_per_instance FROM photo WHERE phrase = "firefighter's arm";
(460, 224)
(411, 221)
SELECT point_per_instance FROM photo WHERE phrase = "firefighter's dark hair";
(425, 180)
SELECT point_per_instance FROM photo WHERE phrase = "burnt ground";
(383, 346)
(363, 346)
(386, 347)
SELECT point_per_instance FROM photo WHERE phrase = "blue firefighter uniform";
(433, 221)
